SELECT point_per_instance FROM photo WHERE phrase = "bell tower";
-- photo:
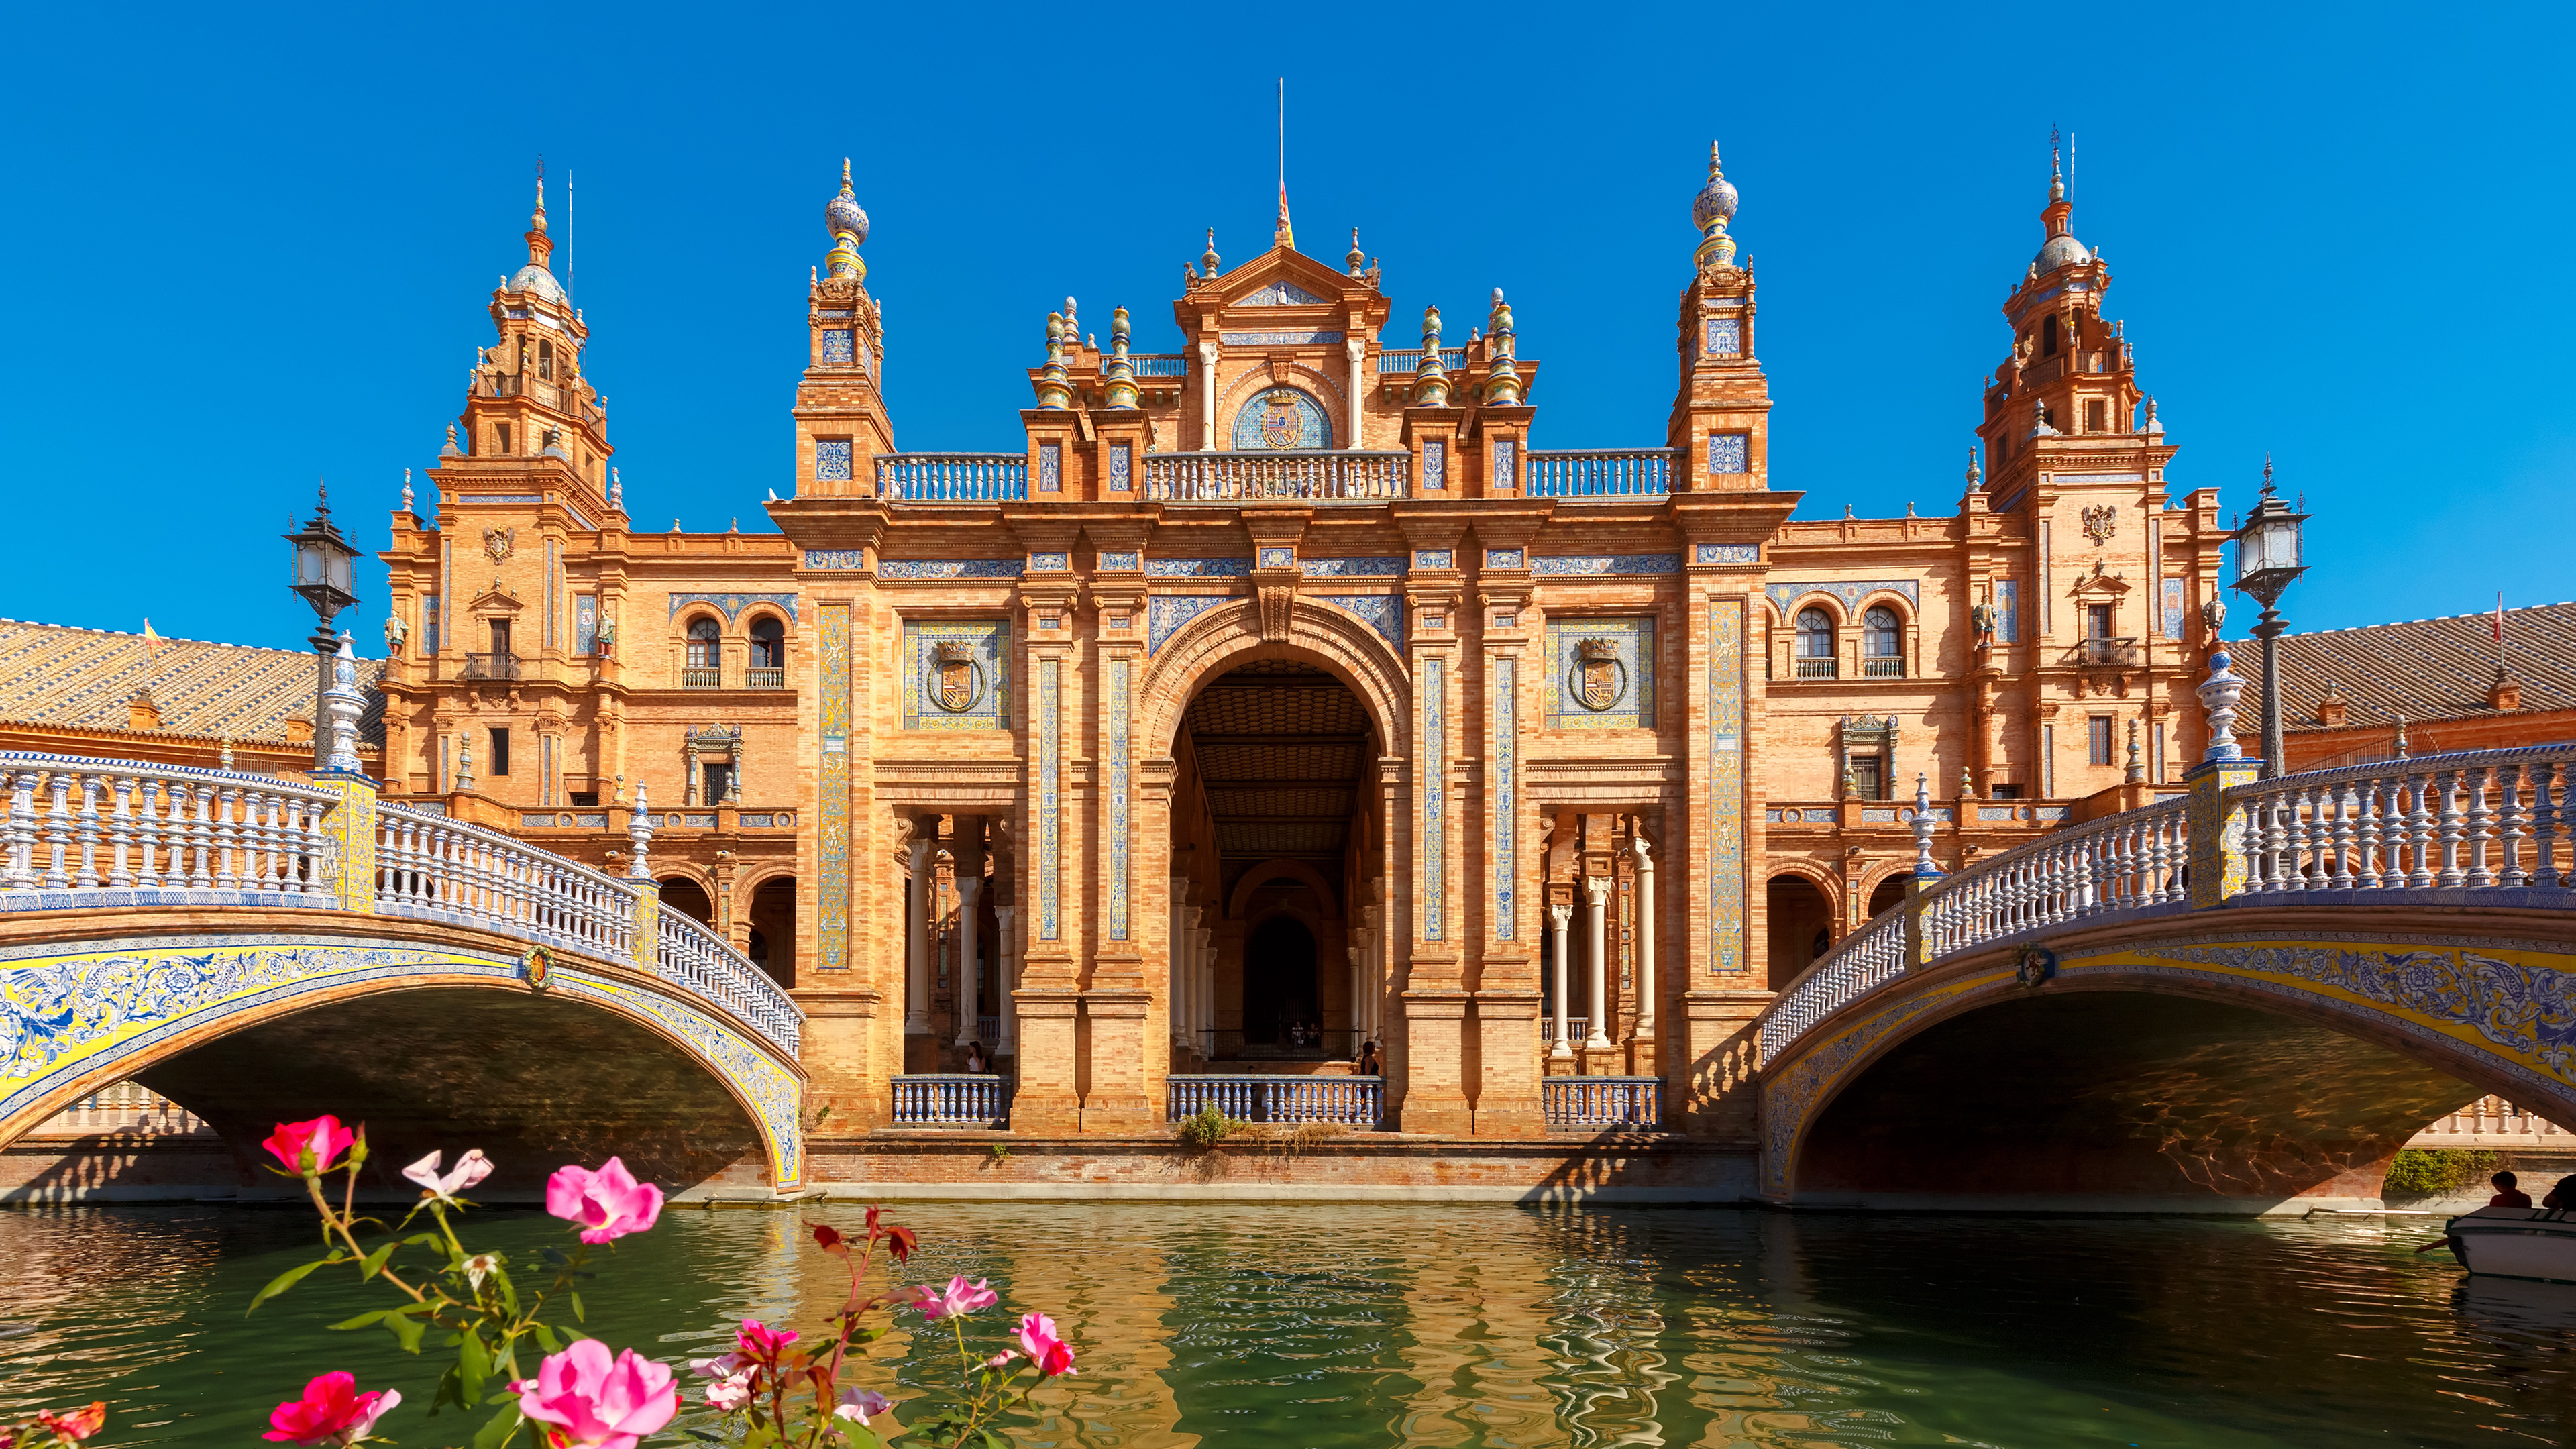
(530, 413)
(840, 412)
(1721, 421)
(2069, 387)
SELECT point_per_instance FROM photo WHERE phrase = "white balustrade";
(1602, 1101)
(77, 828)
(1311, 476)
(2491, 1122)
(693, 957)
(2475, 821)
(431, 867)
(957, 1099)
(2127, 862)
(1351, 1101)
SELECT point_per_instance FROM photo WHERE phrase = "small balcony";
(1888, 666)
(953, 1099)
(489, 666)
(1825, 668)
(701, 677)
(757, 677)
(2104, 653)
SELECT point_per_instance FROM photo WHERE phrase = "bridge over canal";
(2243, 999)
(259, 950)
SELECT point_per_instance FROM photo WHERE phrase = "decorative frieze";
(832, 787)
(1385, 613)
(1198, 568)
(950, 568)
(732, 605)
(1582, 565)
(1167, 614)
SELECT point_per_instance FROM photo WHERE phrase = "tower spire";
(1711, 210)
(540, 245)
(849, 227)
(1283, 235)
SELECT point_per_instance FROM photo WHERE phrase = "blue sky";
(255, 246)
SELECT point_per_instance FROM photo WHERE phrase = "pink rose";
(1051, 1354)
(862, 1405)
(470, 1169)
(729, 1394)
(323, 1136)
(332, 1411)
(716, 1368)
(961, 1297)
(594, 1399)
(762, 1343)
(608, 1203)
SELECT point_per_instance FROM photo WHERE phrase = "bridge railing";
(2476, 820)
(691, 956)
(81, 825)
(2497, 826)
(435, 868)
(952, 1099)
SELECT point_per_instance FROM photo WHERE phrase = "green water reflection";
(1435, 1325)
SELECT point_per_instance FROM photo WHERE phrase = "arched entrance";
(1801, 926)
(688, 898)
(1277, 811)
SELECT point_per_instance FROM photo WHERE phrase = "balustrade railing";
(1351, 1101)
(433, 868)
(79, 825)
(126, 1107)
(1576, 1029)
(1408, 360)
(2122, 863)
(2480, 820)
(988, 1030)
(1635, 1102)
(954, 1099)
(757, 677)
(2491, 1121)
(691, 956)
(1157, 364)
(702, 676)
(489, 666)
(1618, 473)
(1311, 476)
(1882, 666)
(953, 477)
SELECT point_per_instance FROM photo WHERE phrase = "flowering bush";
(769, 1391)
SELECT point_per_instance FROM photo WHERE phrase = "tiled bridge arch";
(2222, 1003)
(195, 930)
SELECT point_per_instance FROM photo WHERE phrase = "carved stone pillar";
(1559, 916)
(1596, 895)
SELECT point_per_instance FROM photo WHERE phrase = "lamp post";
(2267, 559)
(322, 558)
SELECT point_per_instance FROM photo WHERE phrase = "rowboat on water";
(2516, 1243)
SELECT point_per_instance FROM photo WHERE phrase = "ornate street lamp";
(2267, 559)
(322, 558)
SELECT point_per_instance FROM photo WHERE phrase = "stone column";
(1645, 935)
(1184, 996)
(1596, 895)
(1206, 938)
(1005, 978)
(1358, 1006)
(916, 937)
(970, 893)
(1558, 917)
(1207, 398)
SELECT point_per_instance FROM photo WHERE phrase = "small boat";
(2516, 1243)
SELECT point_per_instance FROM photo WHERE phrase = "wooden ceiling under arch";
(1283, 751)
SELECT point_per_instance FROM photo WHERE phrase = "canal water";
(1424, 1325)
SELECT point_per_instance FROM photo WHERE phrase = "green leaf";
(473, 1366)
(375, 1261)
(577, 1315)
(546, 1337)
(450, 1391)
(286, 1280)
(408, 1323)
(995, 1441)
(497, 1430)
(362, 1320)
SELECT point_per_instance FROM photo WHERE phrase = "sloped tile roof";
(2424, 669)
(82, 678)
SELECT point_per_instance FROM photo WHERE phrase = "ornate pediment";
(1279, 293)
(2100, 583)
(494, 600)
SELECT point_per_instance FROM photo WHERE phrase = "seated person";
(2507, 1195)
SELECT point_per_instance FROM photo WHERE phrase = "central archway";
(1279, 994)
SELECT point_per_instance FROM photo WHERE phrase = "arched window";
(1879, 649)
(768, 653)
(702, 670)
(1815, 644)
(2048, 338)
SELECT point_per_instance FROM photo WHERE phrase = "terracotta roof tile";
(56, 674)
(2424, 669)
